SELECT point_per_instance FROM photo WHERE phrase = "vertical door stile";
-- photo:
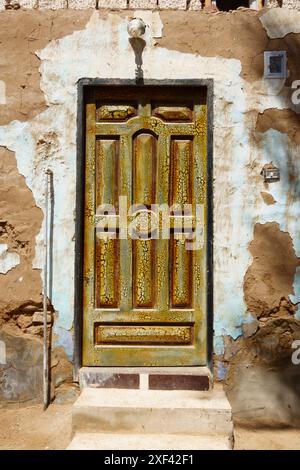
(125, 189)
(162, 199)
(89, 245)
(144, 250)
(199, 268)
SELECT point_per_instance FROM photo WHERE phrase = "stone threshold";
(147, 378)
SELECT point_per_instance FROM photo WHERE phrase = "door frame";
(82, 86)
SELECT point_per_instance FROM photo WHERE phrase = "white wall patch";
(279, 22)
(8, 260)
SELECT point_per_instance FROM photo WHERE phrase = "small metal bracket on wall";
(270, 173)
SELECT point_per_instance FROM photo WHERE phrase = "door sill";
(147, 378)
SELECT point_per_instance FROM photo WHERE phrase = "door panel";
(144, 297)
(144, 169)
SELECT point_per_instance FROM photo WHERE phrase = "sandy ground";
(32, 428)
(266, 439)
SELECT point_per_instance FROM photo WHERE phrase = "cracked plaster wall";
(100, 48)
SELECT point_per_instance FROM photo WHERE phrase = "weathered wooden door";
(144, 298)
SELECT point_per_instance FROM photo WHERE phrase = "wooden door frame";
(82, 86)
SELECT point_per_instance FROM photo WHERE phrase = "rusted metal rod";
(45, 298)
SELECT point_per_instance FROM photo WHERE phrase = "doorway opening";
(139, 302)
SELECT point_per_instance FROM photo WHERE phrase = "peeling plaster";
(64, 338)
(279, 22)
(8, 260)
(102, 50)
(284, 153)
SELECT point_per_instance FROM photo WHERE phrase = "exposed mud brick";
(52, 4)
(21, 378)
(122, 4)
(81, 4)
(38, 318)
(24, 321)
(143, 4)
(35, 330)
(172, 4)
(273, 342)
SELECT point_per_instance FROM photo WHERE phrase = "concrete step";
(101, 441)
(152, 412)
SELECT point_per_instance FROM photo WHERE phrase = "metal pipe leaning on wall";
(46, 394)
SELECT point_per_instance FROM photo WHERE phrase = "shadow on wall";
(265, 395)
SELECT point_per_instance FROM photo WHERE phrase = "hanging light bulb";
(136, 28)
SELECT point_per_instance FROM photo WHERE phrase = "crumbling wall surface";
(20, 222)
(261, 380)
(21, 211)
(256, 122)
(256, 235)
